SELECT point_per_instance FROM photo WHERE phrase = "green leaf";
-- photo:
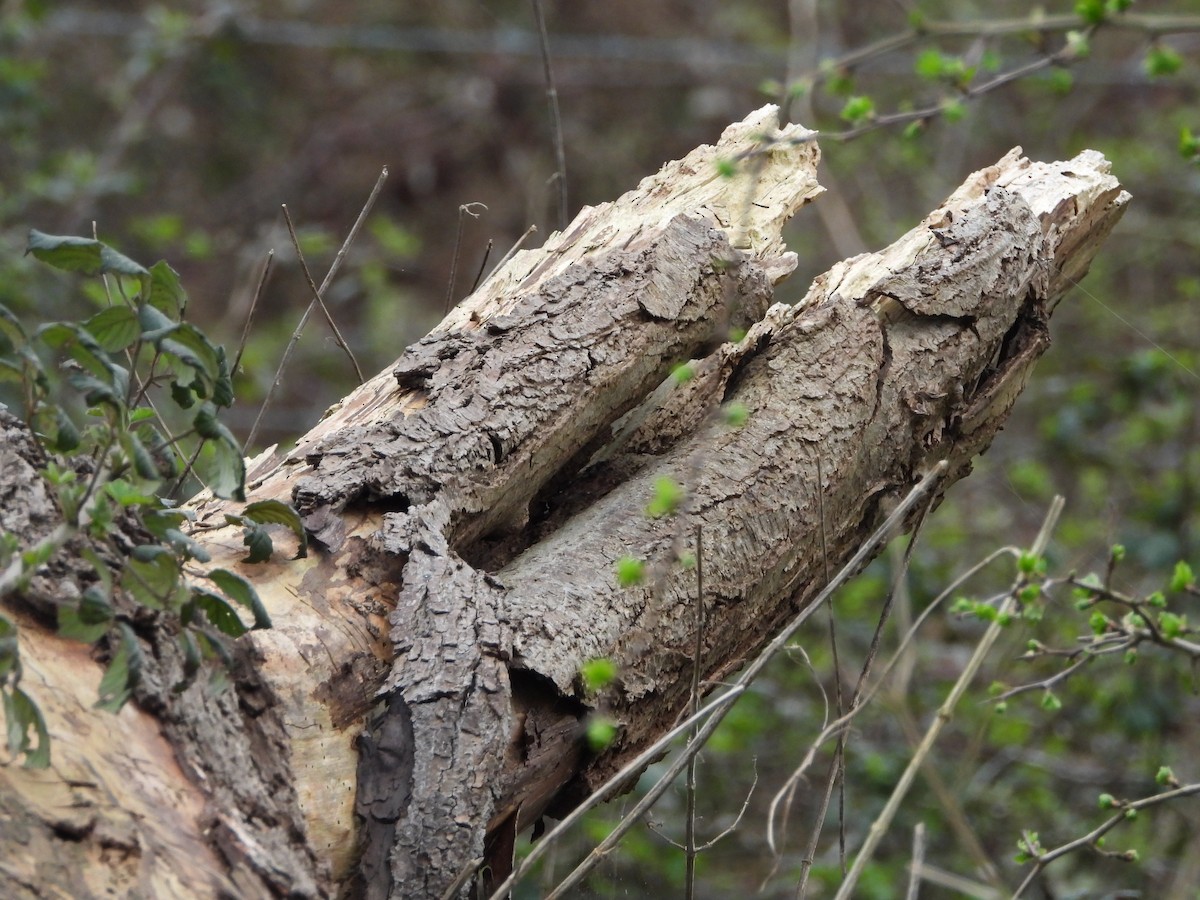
(726, 168)
(1172, 624)
(151, 575)
(1027, 562)
(114, 328)
(258, 539)
(66, 435)
(275, 512)
(160, 521)
(143, 462)
(21, 714)
(120, 264)
(1189, 144)
(239, 589)
(72, 254)
(1078, 45)
(155, 324)
(1162, 61)
(1050, 702)
(220, 464)
(736, 415)
(1092, 12)
(668, 495)
(858, 110)
(166, 293)
(191, 660)
(1182, 578)
(597, 674)
(630, 571)
(601, 732)
(125, 494)
(191, 346)
(219, 612)
(10, 649)
(930, 64)
(683, 373)
(12, 335)
(123, 672)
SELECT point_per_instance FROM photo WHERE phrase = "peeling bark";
(417, 702)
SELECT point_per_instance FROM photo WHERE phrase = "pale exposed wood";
(469, 504)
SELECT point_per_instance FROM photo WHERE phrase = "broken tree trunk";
(418, 700)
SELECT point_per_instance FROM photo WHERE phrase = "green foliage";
(601, 731)
(630, 571)
(1162, 61)
(858, 110)
(597, 674)
(152, 386)
(668, 495)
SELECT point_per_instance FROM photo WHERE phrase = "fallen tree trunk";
(419, 699)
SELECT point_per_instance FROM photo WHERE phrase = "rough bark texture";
(417, 701)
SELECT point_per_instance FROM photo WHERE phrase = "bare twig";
(262, 283)
(487, 251)
(560, 154)
(512, 251)
(748, 676)
(880, 826)
(333, 269)
(783, 795)
(464, 210)
(317, 295)
(1089, 839)
(918, 858)
(697, 652)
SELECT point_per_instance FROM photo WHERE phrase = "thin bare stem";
(317, 296)
(560, 153)
(783, 795)
(512, 251)
(487, 251)
(881, 824)
(464, 210)
(333, 269)
(864, 552)
(1089, 839)
(918, 858)
(263, 276)
(697, 651)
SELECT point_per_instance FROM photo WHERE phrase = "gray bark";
(418, 701)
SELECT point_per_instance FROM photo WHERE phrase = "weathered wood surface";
(469, 504)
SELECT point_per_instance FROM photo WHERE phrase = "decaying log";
(419, 695)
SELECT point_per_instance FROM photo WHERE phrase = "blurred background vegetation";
(180, 129)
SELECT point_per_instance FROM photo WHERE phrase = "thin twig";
(487, 251)
(837, 770)
(464, 210)
(512, 251)
(783, 795)
(689, 890)
(317, 296)
(618, 781)
(918, 859)
(333, 269)
(748, 676)
(1095, 834)
(258, 290)
(560, 154)
(880, 826)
